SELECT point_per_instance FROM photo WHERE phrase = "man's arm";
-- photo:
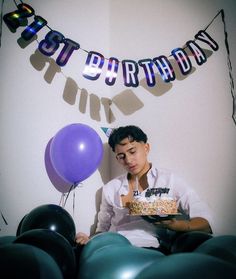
(193, 224)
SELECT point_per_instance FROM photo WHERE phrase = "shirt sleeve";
(190, 202)
(104, 215)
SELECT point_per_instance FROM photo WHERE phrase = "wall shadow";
(127, 102)
(159, 89)
(104, 167)
(98, 199)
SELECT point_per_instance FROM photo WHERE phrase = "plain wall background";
(188, 121)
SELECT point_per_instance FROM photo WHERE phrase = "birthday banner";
(94, 64)
(95, 61)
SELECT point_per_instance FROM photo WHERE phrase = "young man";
(131, 149)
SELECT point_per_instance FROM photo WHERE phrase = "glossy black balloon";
(189, 241)
(101, 240)
(222, 247)
(116, 262)
(188, 265)
(7, 239)
(19, 226)
(51, 217)
(26, 261)
(56, 245)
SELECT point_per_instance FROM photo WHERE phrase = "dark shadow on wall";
(70, 91)
(105, 167)
(95, 107)
(40, 61)
(159, 89)
(23, 44)
(98, 199)
(127, 102)
(106, 102)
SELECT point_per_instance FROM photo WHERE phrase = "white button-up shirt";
(113, 216)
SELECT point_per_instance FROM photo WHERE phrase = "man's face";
(132, 155)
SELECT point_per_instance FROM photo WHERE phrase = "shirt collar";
(151, 175)
(153, 171)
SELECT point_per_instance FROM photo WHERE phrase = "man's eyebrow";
(130, 149)
(133, 147)
(123, 153)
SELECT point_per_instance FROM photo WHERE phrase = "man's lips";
(131, 167)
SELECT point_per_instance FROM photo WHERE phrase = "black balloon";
(188, 265)
(56, 245)
(222, 247)
(19, 226)
(7, 239)
(189, 241)
(26, 261)
(101, 240)
(116, 262)
(51, 217)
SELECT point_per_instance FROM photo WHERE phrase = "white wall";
(189, 122)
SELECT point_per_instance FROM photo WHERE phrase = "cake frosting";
(155, 202)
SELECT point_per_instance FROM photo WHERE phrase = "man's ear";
(147, 147)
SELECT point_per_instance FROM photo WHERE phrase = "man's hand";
(156, 218)
(194, 224)
(171, 224)
(81, 238)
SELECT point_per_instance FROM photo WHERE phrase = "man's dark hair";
(134, 133)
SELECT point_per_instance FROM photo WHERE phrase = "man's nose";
(128, 159)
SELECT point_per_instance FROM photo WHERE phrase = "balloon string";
(73, 201)
(71, 187)
(61, 202)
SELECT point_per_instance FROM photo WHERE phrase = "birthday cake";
(153, 203)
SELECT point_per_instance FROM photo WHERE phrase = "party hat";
(107, 131)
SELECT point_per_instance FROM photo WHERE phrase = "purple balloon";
(76, 152)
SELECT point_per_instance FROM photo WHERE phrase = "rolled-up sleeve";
(190, 202)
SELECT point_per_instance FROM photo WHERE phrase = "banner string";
(209, 24)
